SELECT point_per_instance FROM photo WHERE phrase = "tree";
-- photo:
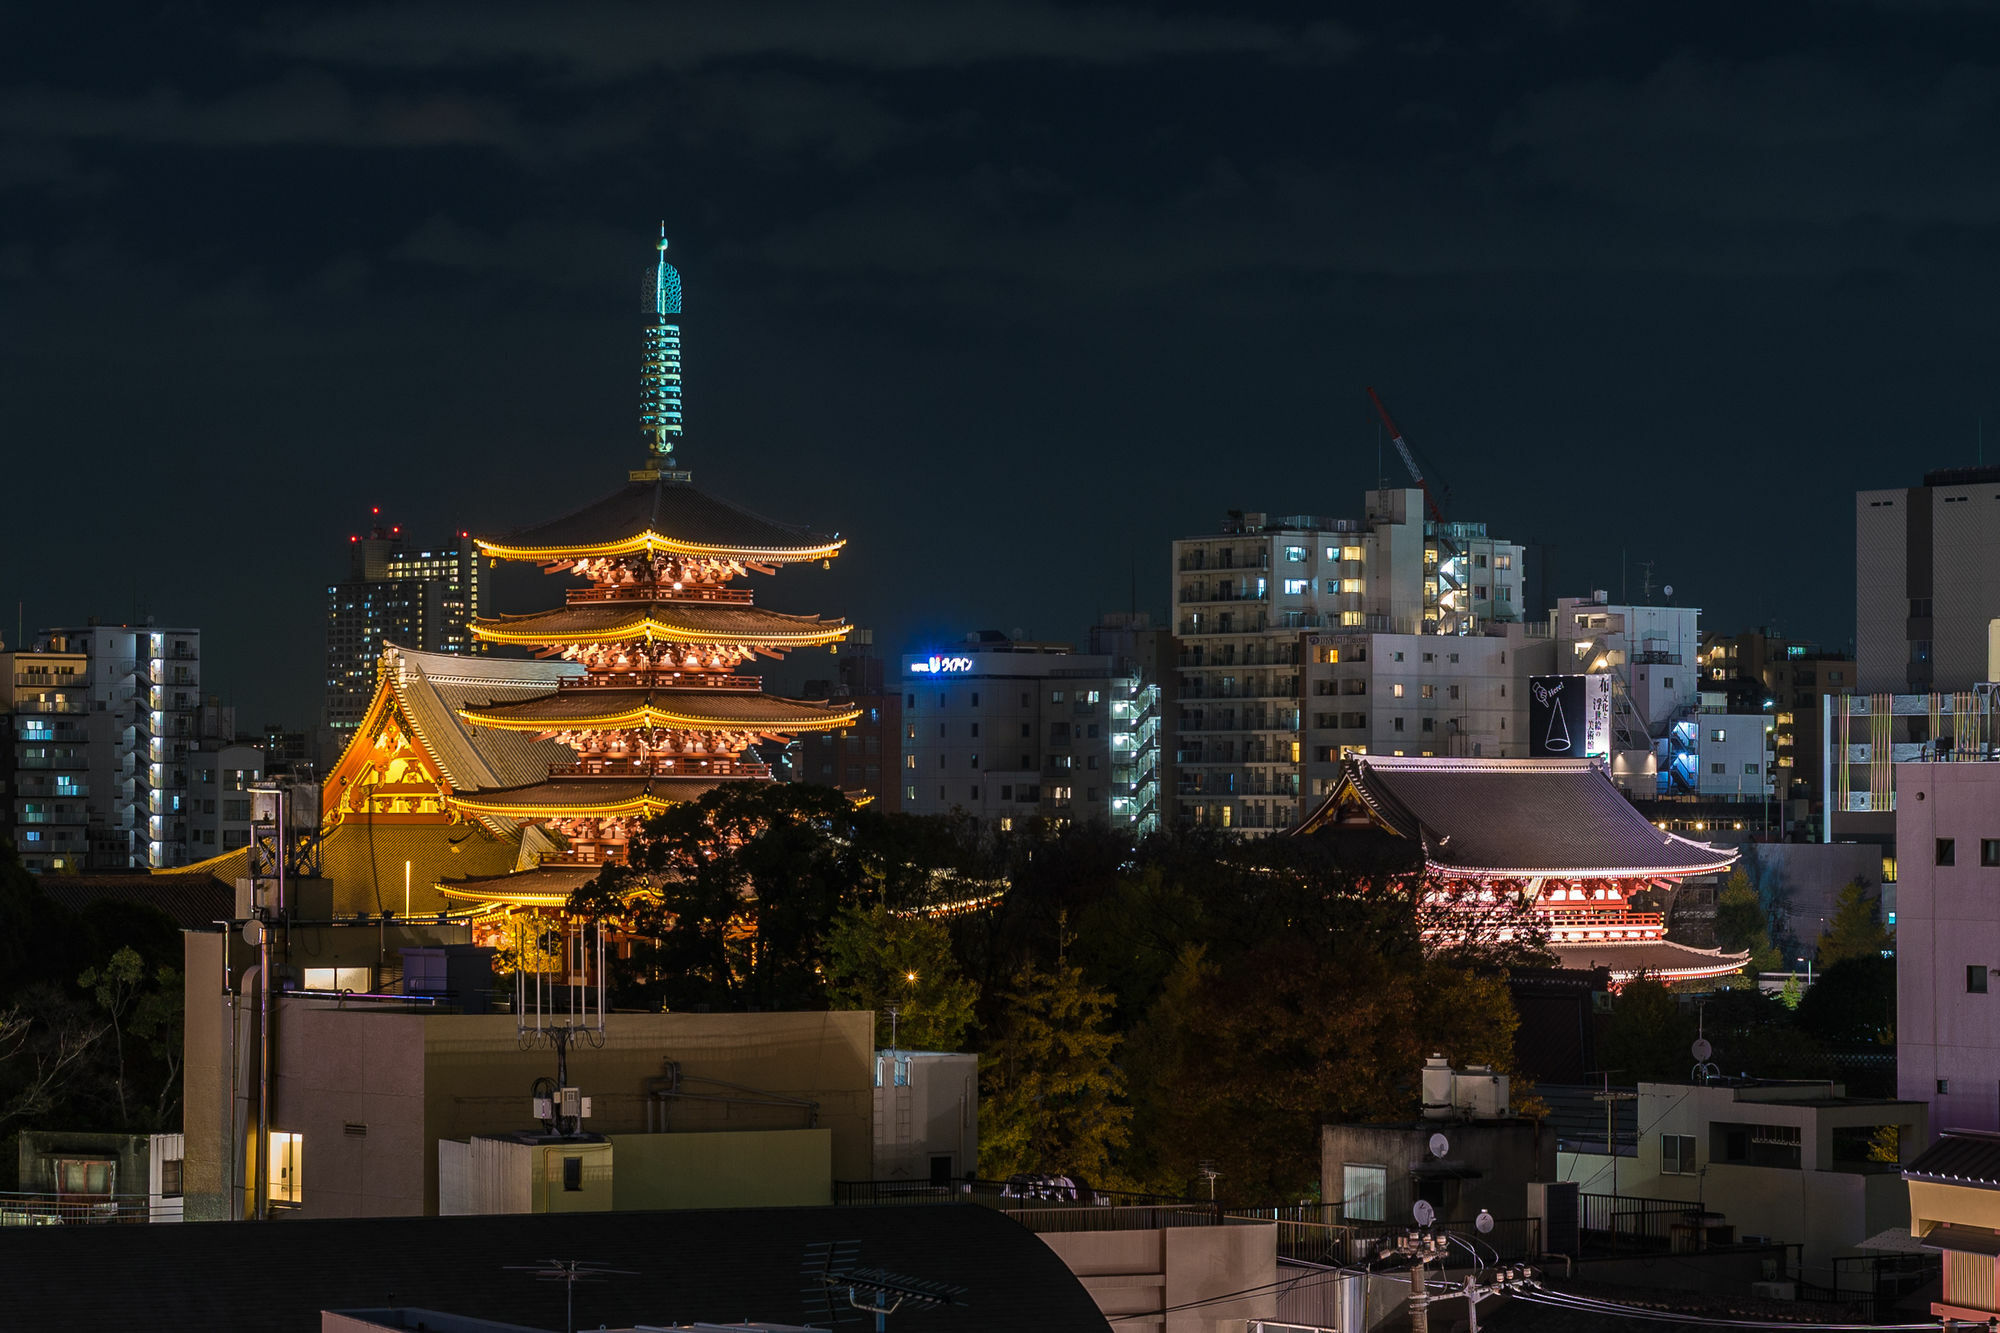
(46, 1040)
(1242, 1065)
(1051, 1092)
(1854, 931)
(1852, 1003)
(1743, 925)
(1648, 1037)
(730, 897)
(876, 958)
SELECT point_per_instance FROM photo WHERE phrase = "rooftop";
(675, 515)
(717, 1265)
(1521, 817)
(1959, 1157)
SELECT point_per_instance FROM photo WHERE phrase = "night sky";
(1010, 294)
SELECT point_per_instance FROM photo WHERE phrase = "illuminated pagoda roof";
(544, 886)
(642, 796)
(1520, 818)
(625, 709)
(667, 621)
(1661, 959)
(667, 513)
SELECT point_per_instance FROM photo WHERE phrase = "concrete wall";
(1947, 920)
(1131, 1274)
(935, 1113)
(1806, 878)
(1506, 1154)
(1822, 1205)
(779, 1168)
(373, 1090)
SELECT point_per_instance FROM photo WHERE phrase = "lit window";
(287, 1171)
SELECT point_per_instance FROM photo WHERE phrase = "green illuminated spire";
(660, 372)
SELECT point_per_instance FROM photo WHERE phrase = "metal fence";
(1337, 1243)
(50, 1210)
(1622, 1221)
(1123, 1218)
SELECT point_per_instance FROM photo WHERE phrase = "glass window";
(1989, 851)
(287, 1167)
(1364, 1192)
(1975, 979)
(1947, 852)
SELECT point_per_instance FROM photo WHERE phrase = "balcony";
(679, 766)
(639, 592)
(664, 680)
(52, 706)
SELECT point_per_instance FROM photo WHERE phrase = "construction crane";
(1448, 552)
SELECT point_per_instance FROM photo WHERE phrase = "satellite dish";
(1440, 1145)
(1424, 1213)
(1701, 1049)
(253, 932)
(1668, 590)
(1483, 1223)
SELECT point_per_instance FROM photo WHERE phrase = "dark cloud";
(303, 108)
(1010, 293)
(597, 39)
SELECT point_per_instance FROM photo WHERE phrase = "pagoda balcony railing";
(659, 592)
(676, 766)
(1573, 925)
(663, 679)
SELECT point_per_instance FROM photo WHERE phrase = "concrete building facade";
(1244, 594)
(103, 720)
(1948, 941)
(1007, 731)
(1925, 590)
(1418, 694)
(1801, 1163)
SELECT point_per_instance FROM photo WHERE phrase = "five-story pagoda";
(661, 711)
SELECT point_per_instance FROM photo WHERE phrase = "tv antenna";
(559, 1002)
(569, 1272)
(831, 1274)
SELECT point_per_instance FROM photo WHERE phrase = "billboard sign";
(1569, 717)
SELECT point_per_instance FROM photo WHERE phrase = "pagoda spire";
(660, 371)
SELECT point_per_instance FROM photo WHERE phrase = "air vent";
(354, 1131)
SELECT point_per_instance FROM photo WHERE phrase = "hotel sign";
(1569, 717)
(935, 665)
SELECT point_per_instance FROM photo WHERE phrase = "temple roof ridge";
(669, 513)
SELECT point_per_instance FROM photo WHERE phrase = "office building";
(1242, 598)
(1922, 602)
(218, 799)
(1008, 730)
(394, 593)
(1869, 741)
(102, 723)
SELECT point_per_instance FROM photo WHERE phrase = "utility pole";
(1418, 1248)
(1611, 1100)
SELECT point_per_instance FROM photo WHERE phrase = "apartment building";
(1798, 678)
(1246, 596)
(1419, 694)
(1007, 730)
(102, 721)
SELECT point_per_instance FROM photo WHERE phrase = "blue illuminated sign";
(939, 666)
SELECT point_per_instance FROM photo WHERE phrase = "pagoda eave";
(751, 714)
(650, 630)
(588, 798)
(651, 543)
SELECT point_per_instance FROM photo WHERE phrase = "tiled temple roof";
(672, 622)
(618, 708)
(674, 515)
(1516, 817)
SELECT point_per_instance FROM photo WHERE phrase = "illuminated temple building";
(1553, 836)
(486, 783)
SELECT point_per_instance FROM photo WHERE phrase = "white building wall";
(926, 1109)
(1948, 941)
(1734, 755)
